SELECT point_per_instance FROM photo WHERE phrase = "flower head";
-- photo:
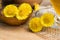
(25, 10)
(35, 25)
(10, 10)
(47, 19)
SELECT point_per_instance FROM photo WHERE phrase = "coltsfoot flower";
(35, 25)
(10, 10)
(47, 19)
(36, 6)
(25, 10)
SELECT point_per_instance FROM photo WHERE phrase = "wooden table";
(22, 33)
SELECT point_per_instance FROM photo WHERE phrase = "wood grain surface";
(22, 32)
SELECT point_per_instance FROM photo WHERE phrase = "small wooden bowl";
(12, 21)
(15, 21)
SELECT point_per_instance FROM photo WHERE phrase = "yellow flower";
(47, 19)
(36, 6)
(35, 25)
(25, 10)
(10, 10)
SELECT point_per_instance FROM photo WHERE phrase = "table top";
(23, 33)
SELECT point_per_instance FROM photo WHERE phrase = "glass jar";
(48, 9)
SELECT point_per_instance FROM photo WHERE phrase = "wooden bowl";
(15, 21)
(12, 21)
